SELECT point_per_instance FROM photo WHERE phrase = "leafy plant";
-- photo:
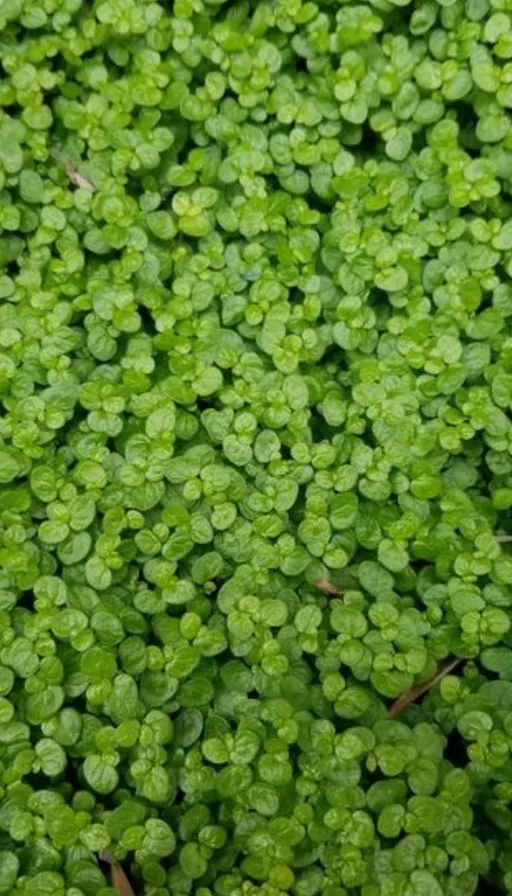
(255, 448)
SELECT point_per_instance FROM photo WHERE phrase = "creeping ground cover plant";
(255, 448)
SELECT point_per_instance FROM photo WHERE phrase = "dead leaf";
(119, 880)
(417, 690)
(79, 180)
(327, 587)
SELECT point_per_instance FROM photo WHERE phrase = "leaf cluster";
(255, 447)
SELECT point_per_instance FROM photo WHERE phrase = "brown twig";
(503, 538)
(417, 690)
(119, 880)
(328, 587)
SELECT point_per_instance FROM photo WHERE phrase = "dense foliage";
(255, 333)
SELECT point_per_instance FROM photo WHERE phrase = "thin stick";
(327, 587)
(417, 690)
(119, 880)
